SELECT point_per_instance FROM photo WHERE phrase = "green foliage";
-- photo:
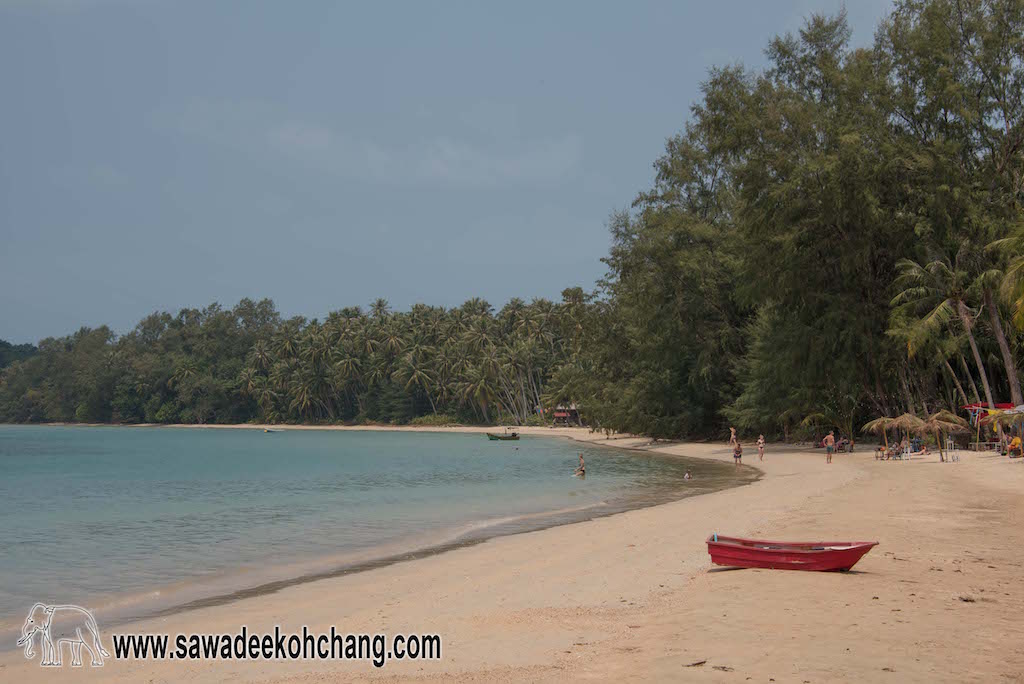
(428, 365)
(769, 275)
(9, 353)
(826, 241)
(438, 420)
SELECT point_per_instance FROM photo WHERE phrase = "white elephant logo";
(57, 625)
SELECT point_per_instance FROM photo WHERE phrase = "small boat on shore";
(507, 437)
(773, 555)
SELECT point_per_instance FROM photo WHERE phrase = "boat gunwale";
(809, 548)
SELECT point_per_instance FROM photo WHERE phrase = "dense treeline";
(9, 353)
(829, 240)
(247, 363)
(837, 237)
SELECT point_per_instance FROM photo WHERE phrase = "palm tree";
(478, 334)
(378, 370)
(391, 338)
(247, 381)
(412, 374)
(266, 398)
(987, 282)
(1012, 286)
(938, 292)
(285, 345)
(477, 389)
(348, 376)
(185, 370)
(380, 308)
(260, 357)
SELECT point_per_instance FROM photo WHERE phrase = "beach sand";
(633, 597)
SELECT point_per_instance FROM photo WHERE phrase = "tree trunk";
(1004, 347)
(956, 381)
(970, 376)
(906, 389)
(965, 318)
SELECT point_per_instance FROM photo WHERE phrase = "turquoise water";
(135, 520)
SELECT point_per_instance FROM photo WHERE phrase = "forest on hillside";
(835, 237)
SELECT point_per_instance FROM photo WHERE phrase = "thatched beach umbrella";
(941, 422)
(907, 422)
(880, 425)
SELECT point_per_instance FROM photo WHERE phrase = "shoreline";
(187, 595)
(633, 597)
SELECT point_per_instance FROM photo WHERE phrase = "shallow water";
(134, 521)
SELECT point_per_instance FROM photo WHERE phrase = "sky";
(161, 155)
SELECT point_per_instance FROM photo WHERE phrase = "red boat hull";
(754, 553)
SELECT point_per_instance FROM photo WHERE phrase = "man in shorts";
(830, 446)
(737, 453)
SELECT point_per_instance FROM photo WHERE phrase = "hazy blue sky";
(158, 155)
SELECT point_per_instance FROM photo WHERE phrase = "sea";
(139, 521)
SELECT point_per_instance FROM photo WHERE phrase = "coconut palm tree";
(260, 357)
(380, 308)
(478, 390)
(412, 374)
(987, 282)
(937, 293)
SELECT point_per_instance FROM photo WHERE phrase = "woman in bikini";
(737, 453)
(760, 448)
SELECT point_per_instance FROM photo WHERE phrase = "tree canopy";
(835, 237)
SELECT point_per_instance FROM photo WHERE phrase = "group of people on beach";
(737, 448)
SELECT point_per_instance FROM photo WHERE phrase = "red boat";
(753, 553)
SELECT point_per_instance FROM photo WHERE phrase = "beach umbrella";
(907, 422)
(941, 422)
(880, 425)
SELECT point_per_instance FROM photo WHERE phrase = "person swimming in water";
(581, 470)
(687, 476)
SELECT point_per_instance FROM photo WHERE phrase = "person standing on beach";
(760, 448)
(737, 453)
(830, 446)
(732, 436)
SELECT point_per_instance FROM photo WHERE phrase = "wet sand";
(633, 597)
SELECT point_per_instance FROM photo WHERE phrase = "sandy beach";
(633, 597)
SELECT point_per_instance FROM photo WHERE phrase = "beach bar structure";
(566, 415)
(980, 413)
